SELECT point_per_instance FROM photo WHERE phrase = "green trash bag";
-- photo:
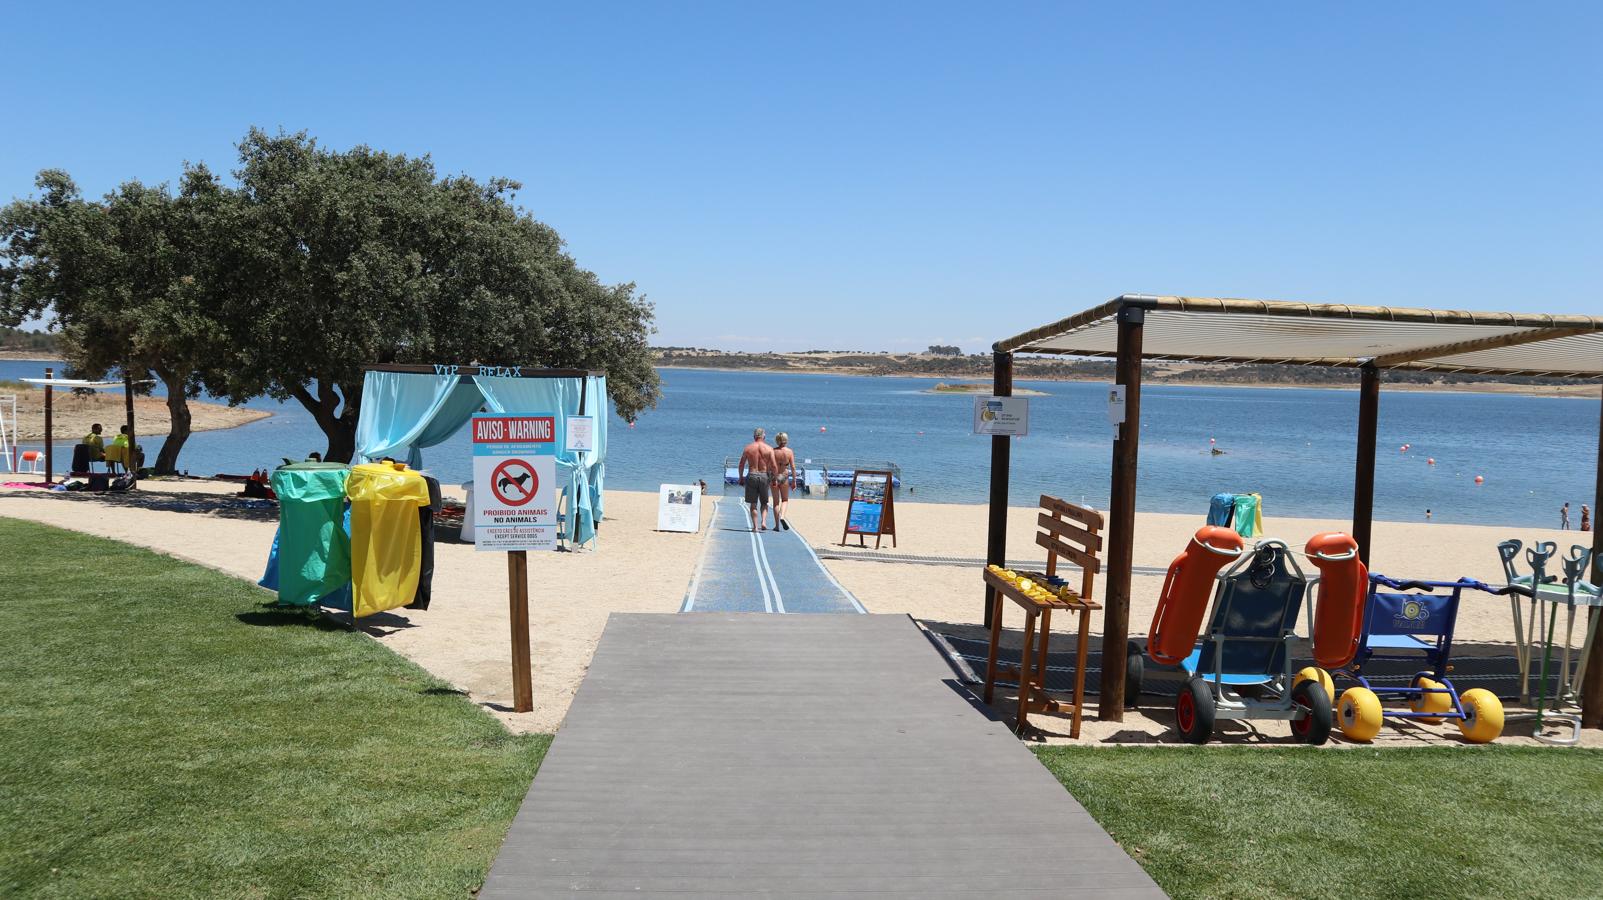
(314, 552)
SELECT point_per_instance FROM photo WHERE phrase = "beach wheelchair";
(1414, 620)
(1242, 669)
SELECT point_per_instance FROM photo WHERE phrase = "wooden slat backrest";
(1061, 536)
(1084, 515)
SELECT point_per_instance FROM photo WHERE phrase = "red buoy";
(1479, 480)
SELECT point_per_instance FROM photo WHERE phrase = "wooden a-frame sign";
(871, 508)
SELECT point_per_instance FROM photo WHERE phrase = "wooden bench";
(1072, 533)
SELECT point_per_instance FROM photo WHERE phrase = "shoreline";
(1572, 391)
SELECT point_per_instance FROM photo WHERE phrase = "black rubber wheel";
(1134, 674)
(1313, 728)
(1193, 712)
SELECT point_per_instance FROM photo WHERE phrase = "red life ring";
(1186, 589)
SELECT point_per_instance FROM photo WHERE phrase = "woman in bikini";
(784, 478)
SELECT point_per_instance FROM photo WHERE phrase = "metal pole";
(1121, 510)
(518, 595)
(1001, 457)
(1364, 469)
(50, 443)
(1592, 687)
(131, 463)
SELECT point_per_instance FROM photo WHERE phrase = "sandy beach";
(463, 639)
(72, 415)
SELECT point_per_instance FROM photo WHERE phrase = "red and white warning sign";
(514, 481)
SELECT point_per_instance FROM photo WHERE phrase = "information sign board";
(515, 481)
(580, 433)
(871, 508)
(1002, 416)
(679, 508)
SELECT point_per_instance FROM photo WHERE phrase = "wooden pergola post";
(1364, 467)
(1001, 459)
(50, 443)
(1121, 508)
(131, 463)
(1592, 689)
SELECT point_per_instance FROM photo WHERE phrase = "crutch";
(1537, 557)
(1575, 569)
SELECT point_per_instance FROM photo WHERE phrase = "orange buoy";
(1186, 589)
(822, 429)
(1431, 461)
(1479, 480)
(1343, 584)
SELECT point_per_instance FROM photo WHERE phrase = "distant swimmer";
(756, 470)
(784, 478)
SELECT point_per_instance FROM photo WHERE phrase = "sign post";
(514, 458)
(871, 509)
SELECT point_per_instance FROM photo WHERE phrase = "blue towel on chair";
(1220, 509)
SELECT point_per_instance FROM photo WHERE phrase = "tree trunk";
(178, 411)
(338, 426)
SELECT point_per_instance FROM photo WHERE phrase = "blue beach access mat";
(769, 571)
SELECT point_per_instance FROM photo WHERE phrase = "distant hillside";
(15, 340)
(978, 366)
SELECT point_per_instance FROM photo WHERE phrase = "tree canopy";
(313, 264)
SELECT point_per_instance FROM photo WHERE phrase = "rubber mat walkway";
(741, 755)
(766, 571)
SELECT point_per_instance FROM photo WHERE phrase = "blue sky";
(882, 176)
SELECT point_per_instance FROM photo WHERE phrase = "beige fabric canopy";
(1206, 329)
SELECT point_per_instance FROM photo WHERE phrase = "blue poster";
(867, 506)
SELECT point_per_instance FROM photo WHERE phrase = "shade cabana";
(1372, 339)
(50, 382)
(407, 408)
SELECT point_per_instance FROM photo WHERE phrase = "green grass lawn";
(1425, 822)
(162, 734)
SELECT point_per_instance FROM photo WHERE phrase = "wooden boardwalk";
(726, 754)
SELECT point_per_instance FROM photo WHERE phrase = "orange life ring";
(1186, 589)
(1343, 584)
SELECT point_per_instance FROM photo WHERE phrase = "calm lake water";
(1294, 446)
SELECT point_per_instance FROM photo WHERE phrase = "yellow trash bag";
(386, 537)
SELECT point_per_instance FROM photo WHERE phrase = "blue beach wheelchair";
(1414, 620)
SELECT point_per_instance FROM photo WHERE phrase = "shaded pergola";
(1372, 339)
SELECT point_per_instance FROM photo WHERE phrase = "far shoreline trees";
(313, 264)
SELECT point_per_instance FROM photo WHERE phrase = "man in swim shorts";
(756, 470)
(784, 478)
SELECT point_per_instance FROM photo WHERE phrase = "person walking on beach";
(784, 478)
(756, 470)
(1564, 517)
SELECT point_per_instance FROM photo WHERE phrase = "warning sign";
(514, 479)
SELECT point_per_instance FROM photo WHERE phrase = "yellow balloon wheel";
(1432, 703)
(1358, 714)
(1483, 716)
(1314, 673)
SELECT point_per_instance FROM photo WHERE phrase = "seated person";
(119, 452)
(90, 450)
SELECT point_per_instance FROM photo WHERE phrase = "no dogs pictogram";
(514, 482)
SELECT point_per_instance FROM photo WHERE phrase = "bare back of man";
(756, 472)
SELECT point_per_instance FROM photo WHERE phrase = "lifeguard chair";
(1073, 533)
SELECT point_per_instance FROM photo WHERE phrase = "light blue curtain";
(561, 396)
(596, 404)
(404, 412)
